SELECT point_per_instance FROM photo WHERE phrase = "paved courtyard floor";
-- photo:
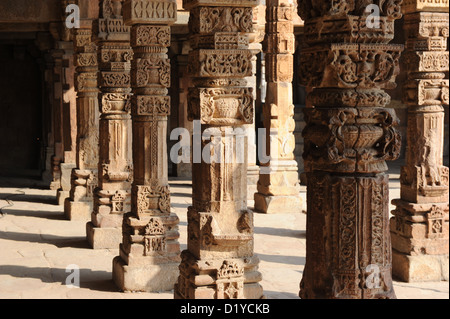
(37, 245)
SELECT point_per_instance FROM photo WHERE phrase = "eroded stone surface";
(84, 178)
(150, 231)
(420, 232)
(279, 177)
(37, 245)
(113, 196)
(349, 136)
(219, 262)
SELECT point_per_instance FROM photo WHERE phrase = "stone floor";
(37, 245)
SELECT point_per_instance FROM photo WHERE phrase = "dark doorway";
(20, 111)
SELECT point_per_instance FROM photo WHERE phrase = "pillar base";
(77, 211)
(103, 238)
(216, 278)
(55, 185)
(149, 278)
(420, 268)
(268, 204)
(66, 175)
(252, 181)
(61, 197)
(251, 291)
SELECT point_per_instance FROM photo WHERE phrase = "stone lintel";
(411, 6)
(149, 12)
(190, 4)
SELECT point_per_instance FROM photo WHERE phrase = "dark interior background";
(20, 110)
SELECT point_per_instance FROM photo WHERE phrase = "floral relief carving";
(153, 71)
(219, 106)
(153, 199)
(349, 135)
(152, 35)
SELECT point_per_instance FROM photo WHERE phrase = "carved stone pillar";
(69, 121)
(184, 162)
(47, 64)
(69, 117)
(349, 136)
(150, 252)
(58, 156)
(278, 185)
(79, 205)
(112, 198)
(419, 230)
(255, 45)
(219, 262)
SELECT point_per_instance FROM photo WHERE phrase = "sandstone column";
(79, 205)
(256, 37)
(69, 121)
(419, 230)
(68, 116)
(278, 185)
(149, 255)
(184, 167)
(58, 156)
(219, 262)
(112, 198)
(348, 139)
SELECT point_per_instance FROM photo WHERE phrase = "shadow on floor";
(179, 205)
(399, 283)
(19, 197)
(24, 182)
(89, 279)
(58, 241)
(175, 194)
(281, 259)
(35, 213)
(280, 295)
(281, 232)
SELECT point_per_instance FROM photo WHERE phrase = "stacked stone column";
(58, 156)
(349, 136)
(150, 252)
(278, 185)
(420, 232)
(69, 121)
(255, 45)
(112, 198)
(219, 262)
(79, 205)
